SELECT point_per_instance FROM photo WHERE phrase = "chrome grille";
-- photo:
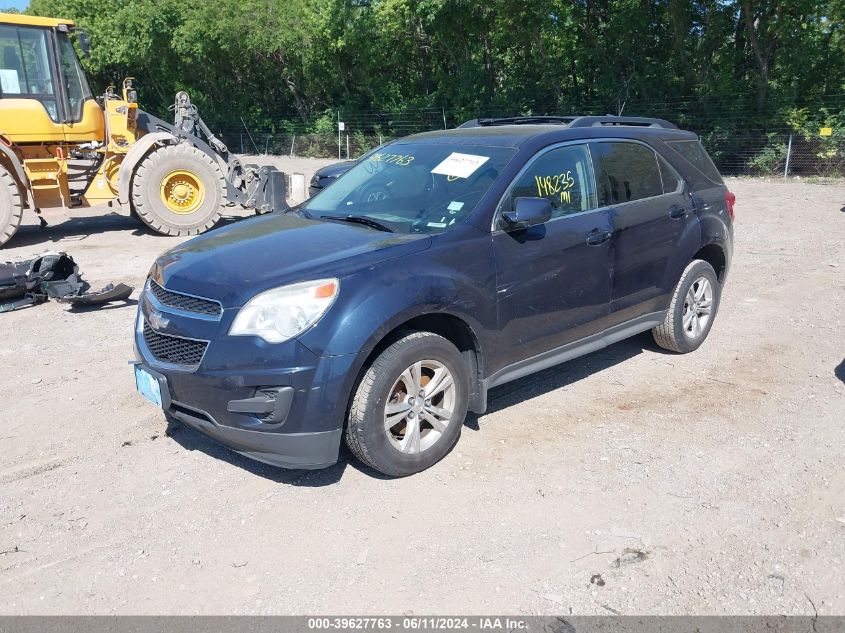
(173, 350)
(184, 302)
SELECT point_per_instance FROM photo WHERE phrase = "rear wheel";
(693, 308)
(11, 206)
(178, 190)
(409, 406)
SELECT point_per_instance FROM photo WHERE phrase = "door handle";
(676, 212)
(598, 236)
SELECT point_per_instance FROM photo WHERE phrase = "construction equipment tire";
(178, 190)
(11, 206)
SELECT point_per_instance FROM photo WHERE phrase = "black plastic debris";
(51, 276)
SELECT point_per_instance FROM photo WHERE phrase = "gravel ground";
(630, 481)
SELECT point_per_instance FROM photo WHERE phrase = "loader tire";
(178, 190)
(11, 206)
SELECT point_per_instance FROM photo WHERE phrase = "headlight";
(280, 314)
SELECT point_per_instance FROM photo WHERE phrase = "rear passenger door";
(649, 212)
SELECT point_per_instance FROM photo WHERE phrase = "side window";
(25, 66)
(564, 176)
(671, 182)
(630, 172)
(75, 84)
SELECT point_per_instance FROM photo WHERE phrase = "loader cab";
(44, 93)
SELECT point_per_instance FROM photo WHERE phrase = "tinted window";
(630, 172)
(25, 66)
(564, 176)
(413, 187)
(695, 153)
(671, 182)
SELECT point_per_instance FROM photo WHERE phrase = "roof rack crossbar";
(596, 121)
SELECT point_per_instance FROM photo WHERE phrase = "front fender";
(367, 317)
(17, 171)
(133, 157)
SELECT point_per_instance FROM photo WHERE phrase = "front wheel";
(695, 301)
(410, 405)
(178, 190)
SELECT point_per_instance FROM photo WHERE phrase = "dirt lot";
(630, 481)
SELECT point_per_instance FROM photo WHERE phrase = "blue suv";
(441, 266)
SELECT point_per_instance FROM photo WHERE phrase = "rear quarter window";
(694, 152)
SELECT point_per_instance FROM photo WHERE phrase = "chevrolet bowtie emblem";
(158, 321)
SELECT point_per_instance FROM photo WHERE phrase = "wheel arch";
(451, 327)
(133, 158)
(714, 255)
(13, 165)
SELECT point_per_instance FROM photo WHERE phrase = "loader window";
(76, 86)
(25, 67)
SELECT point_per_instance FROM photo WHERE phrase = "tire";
(198, 206)
(393, 451)
(11, 206)
(694, 305)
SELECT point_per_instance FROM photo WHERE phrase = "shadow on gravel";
(77, 229)
(563, 375)
(500, 398)
(839, 372)
(74, 229)
(193, 440)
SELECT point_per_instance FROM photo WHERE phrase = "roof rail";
(596, 121)
(520, 120)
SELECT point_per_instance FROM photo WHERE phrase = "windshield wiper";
(358, 219)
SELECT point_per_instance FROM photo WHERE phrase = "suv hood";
(235, 263)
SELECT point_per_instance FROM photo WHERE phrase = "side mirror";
(84, 43)
(528, 212)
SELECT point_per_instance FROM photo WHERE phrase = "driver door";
(553, 280)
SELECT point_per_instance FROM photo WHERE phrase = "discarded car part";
(109, 293)
(51, 276)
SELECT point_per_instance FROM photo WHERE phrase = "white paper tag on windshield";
(460, 165)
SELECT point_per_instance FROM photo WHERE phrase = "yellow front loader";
(60, 146)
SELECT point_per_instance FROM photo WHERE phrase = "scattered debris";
(597, 580)
(127, 443)
(611, 609)
(243, 564)
(153, 437)
(51, 276)
(15, 550)
(630, 556)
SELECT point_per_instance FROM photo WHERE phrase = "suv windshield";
(413, 187)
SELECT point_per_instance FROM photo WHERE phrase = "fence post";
(347, 147)
(788, 156)
(242, 142)
(292, 145)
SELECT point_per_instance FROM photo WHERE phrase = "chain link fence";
(730, 132)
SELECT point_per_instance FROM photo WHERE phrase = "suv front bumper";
(285, 409)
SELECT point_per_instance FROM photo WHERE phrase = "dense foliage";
(715, 65)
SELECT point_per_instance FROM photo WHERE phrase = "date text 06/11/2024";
(414, 623)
